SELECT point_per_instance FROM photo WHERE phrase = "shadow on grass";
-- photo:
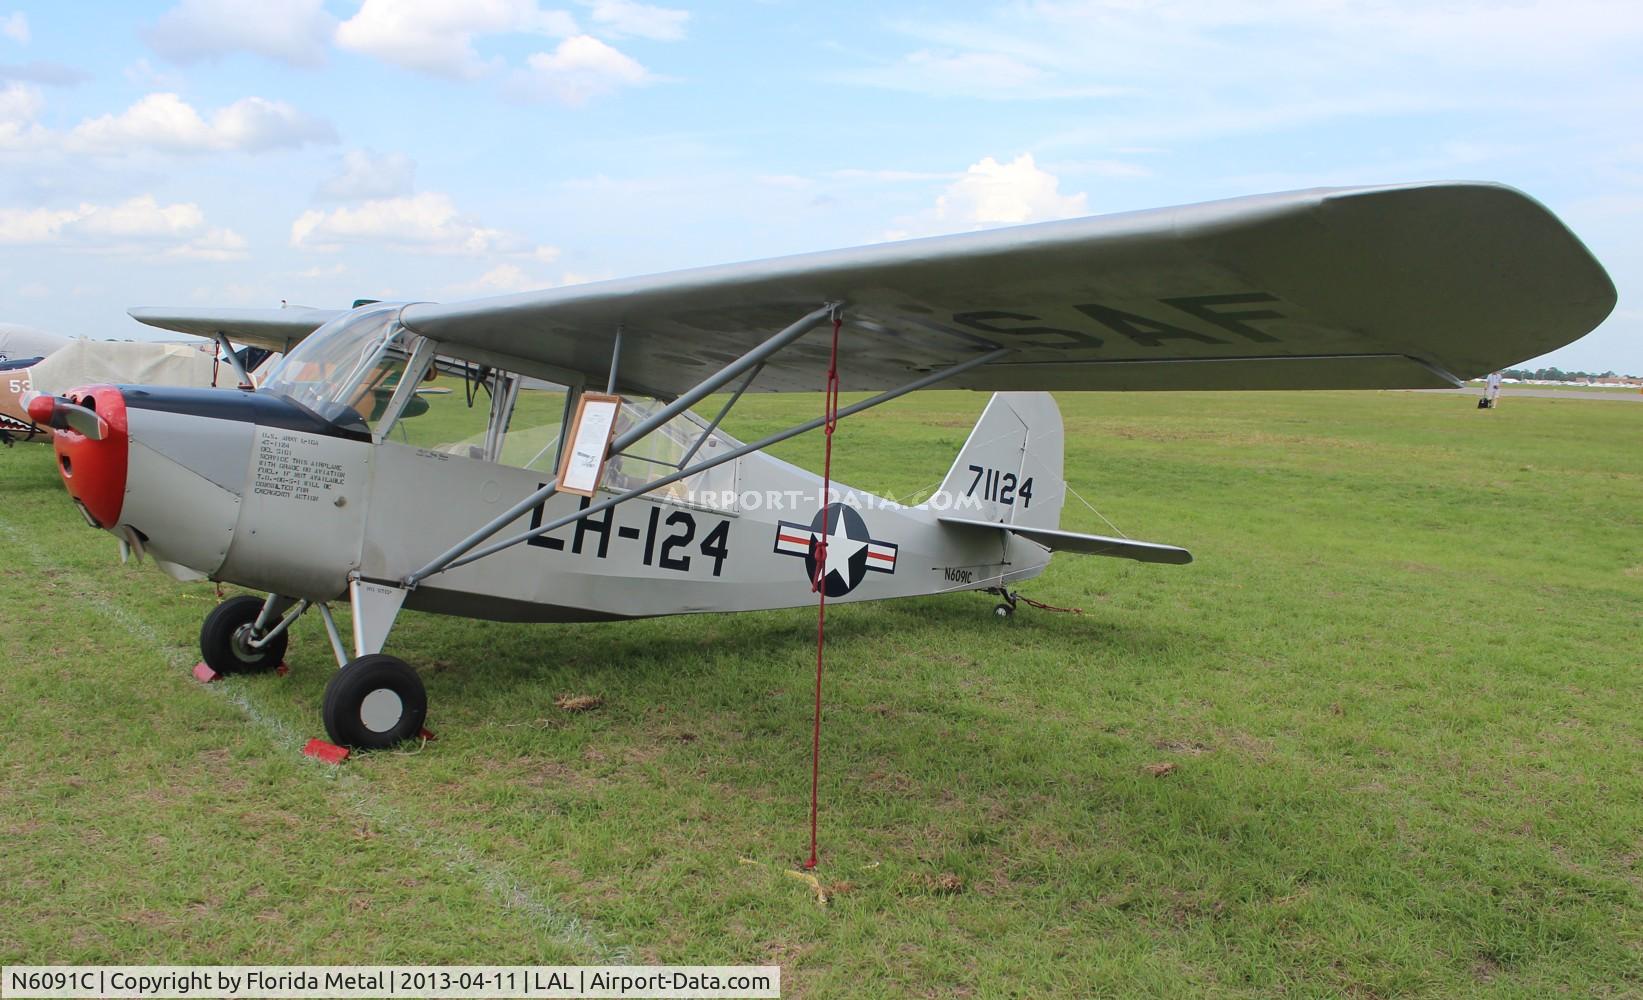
(634, 649)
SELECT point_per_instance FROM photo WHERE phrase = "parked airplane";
(21, 347)
(531, 496)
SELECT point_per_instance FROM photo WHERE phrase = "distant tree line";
(1556, 374)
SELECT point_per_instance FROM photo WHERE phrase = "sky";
(245, 152)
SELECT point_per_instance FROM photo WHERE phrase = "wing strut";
(234, 361)
(711, 384)
(702, 438)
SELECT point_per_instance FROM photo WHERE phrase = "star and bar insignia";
(851, 551)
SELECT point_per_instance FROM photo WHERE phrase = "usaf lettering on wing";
(1228, 313)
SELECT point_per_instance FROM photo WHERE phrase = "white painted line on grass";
(456, 857)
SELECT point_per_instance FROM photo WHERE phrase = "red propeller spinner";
(92, 444)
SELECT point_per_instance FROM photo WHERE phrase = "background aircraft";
(32, 362)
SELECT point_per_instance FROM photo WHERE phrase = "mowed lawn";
(1401, 689)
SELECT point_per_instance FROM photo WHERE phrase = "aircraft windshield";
(327, 371)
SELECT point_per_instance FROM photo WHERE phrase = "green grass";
(1401, 685)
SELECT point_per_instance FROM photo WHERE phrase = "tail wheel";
(1003, 610)
(374, 702)
(225, 638)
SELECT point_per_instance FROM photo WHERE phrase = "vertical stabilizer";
(1009, 471)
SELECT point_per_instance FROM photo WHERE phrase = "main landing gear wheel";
(226, 634)
(374, 702)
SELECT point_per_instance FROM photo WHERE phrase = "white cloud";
(422, 223)
(624, 18)
(500, 280)
(991, 193)
(140, 225)
(20, 105)
(364, 174)
(141, 218)
(289, 31)
(215, 244)
(15, 26)
(167, 123)
(437, 36)
(581, 68)
(36, 225)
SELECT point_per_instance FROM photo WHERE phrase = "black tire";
(1003, 610)
(223, 636)
(358, 711)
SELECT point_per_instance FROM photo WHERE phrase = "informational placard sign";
(590, 433)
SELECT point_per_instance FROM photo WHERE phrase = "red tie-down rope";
(830, 414)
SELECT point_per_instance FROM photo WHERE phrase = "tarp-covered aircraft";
(32, 363)
(524, 493)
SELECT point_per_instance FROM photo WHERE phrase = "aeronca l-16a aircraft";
(534, 457)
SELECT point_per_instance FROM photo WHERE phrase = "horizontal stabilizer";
(1090, 545)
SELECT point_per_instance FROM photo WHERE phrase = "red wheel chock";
(329, 753)
(428, 734)
(205, 675)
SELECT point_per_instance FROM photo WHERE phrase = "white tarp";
(18, 342)
(87, 362)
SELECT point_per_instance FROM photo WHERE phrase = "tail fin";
(1009, 471)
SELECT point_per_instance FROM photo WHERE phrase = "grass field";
(1401, 688)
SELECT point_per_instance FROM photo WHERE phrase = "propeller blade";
(81, 419)
(58, 412)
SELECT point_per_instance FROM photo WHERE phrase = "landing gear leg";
(1007, 607)
(241, 636)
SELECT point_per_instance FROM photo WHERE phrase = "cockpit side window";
(464, 408)
(536, 421)
(452, 409)
(675, 445)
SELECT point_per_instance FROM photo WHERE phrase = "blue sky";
(241, 153)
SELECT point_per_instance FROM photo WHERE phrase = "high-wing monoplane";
(534, 457)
